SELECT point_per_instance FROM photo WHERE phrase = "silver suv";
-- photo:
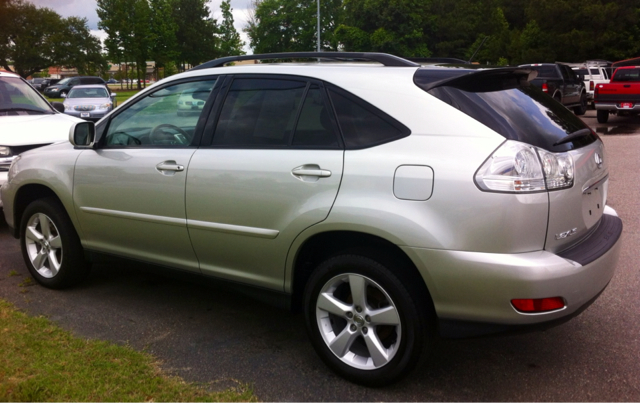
(387, 201)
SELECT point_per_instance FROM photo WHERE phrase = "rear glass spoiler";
(474, 80)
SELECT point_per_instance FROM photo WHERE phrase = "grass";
(41, 362)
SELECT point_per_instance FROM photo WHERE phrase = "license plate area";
(85, 115)
(593, 202)
(626, 105)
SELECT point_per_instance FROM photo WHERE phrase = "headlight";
(5, 151)
(521, 168)
(68, 107)
(105, 106)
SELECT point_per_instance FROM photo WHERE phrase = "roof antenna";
(477, 49)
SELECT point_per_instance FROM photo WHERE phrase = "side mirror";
(82, 134)
(59, 106)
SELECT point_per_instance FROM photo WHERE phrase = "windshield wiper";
(573, 136)
(22, 109)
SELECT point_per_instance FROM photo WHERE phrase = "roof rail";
(382, 58)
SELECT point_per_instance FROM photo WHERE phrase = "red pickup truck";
(621, 96)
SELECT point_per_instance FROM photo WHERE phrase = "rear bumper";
(609, 106)
(478, 287)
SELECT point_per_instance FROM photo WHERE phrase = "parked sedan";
(89, 102)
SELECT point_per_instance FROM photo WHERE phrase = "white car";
(593, 75)
(27, 121)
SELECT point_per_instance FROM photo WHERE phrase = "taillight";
(545, 87)
(522, 168)
(595, 93)
(538, 305)
(591, 85)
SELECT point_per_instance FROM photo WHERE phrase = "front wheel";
(50, 245)
(363, 322)
(603, 116)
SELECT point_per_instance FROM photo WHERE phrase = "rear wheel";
(582, 108)
(50, 245)
(363, 321)
(603, 116)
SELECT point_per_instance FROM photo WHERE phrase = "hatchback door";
(273, 169)
(129, 193)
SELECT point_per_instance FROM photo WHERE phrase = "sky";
(87, 9)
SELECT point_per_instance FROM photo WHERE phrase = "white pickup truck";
(592, 76)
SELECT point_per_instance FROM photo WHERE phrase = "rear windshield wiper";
(573, 136)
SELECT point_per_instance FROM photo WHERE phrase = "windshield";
(64, 80)
(19, 98)
(88, 93)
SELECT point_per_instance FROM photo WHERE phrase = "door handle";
(311, 171)
(169, 166)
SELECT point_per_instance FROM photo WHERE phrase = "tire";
(345, 334)
(603, 116)
(582, 109)
(50, 245)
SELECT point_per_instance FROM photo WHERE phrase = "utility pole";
(318, 25)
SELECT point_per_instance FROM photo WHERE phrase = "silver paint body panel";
(244, 214)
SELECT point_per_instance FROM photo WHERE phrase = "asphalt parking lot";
(212, 335)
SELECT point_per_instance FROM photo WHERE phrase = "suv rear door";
(271, 167)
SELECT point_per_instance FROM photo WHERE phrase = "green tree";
(33, 39)
(163, 28)
(196, 32)
(75, 48)
(230, 42)
(400, 27)
(126, 23)
(291, 26)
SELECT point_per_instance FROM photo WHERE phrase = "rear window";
(515, 109)
(627, 75)
(584, 72)
(545, 71)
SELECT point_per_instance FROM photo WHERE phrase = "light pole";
(318, 25)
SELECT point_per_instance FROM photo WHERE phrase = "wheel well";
(24, 197)
(325, 245)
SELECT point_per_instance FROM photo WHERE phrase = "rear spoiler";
(474, 78)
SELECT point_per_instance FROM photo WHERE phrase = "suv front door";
(129, 193)
(273, 169)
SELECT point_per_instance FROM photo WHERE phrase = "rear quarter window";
(362, 124)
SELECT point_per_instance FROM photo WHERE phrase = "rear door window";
(275, 113)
